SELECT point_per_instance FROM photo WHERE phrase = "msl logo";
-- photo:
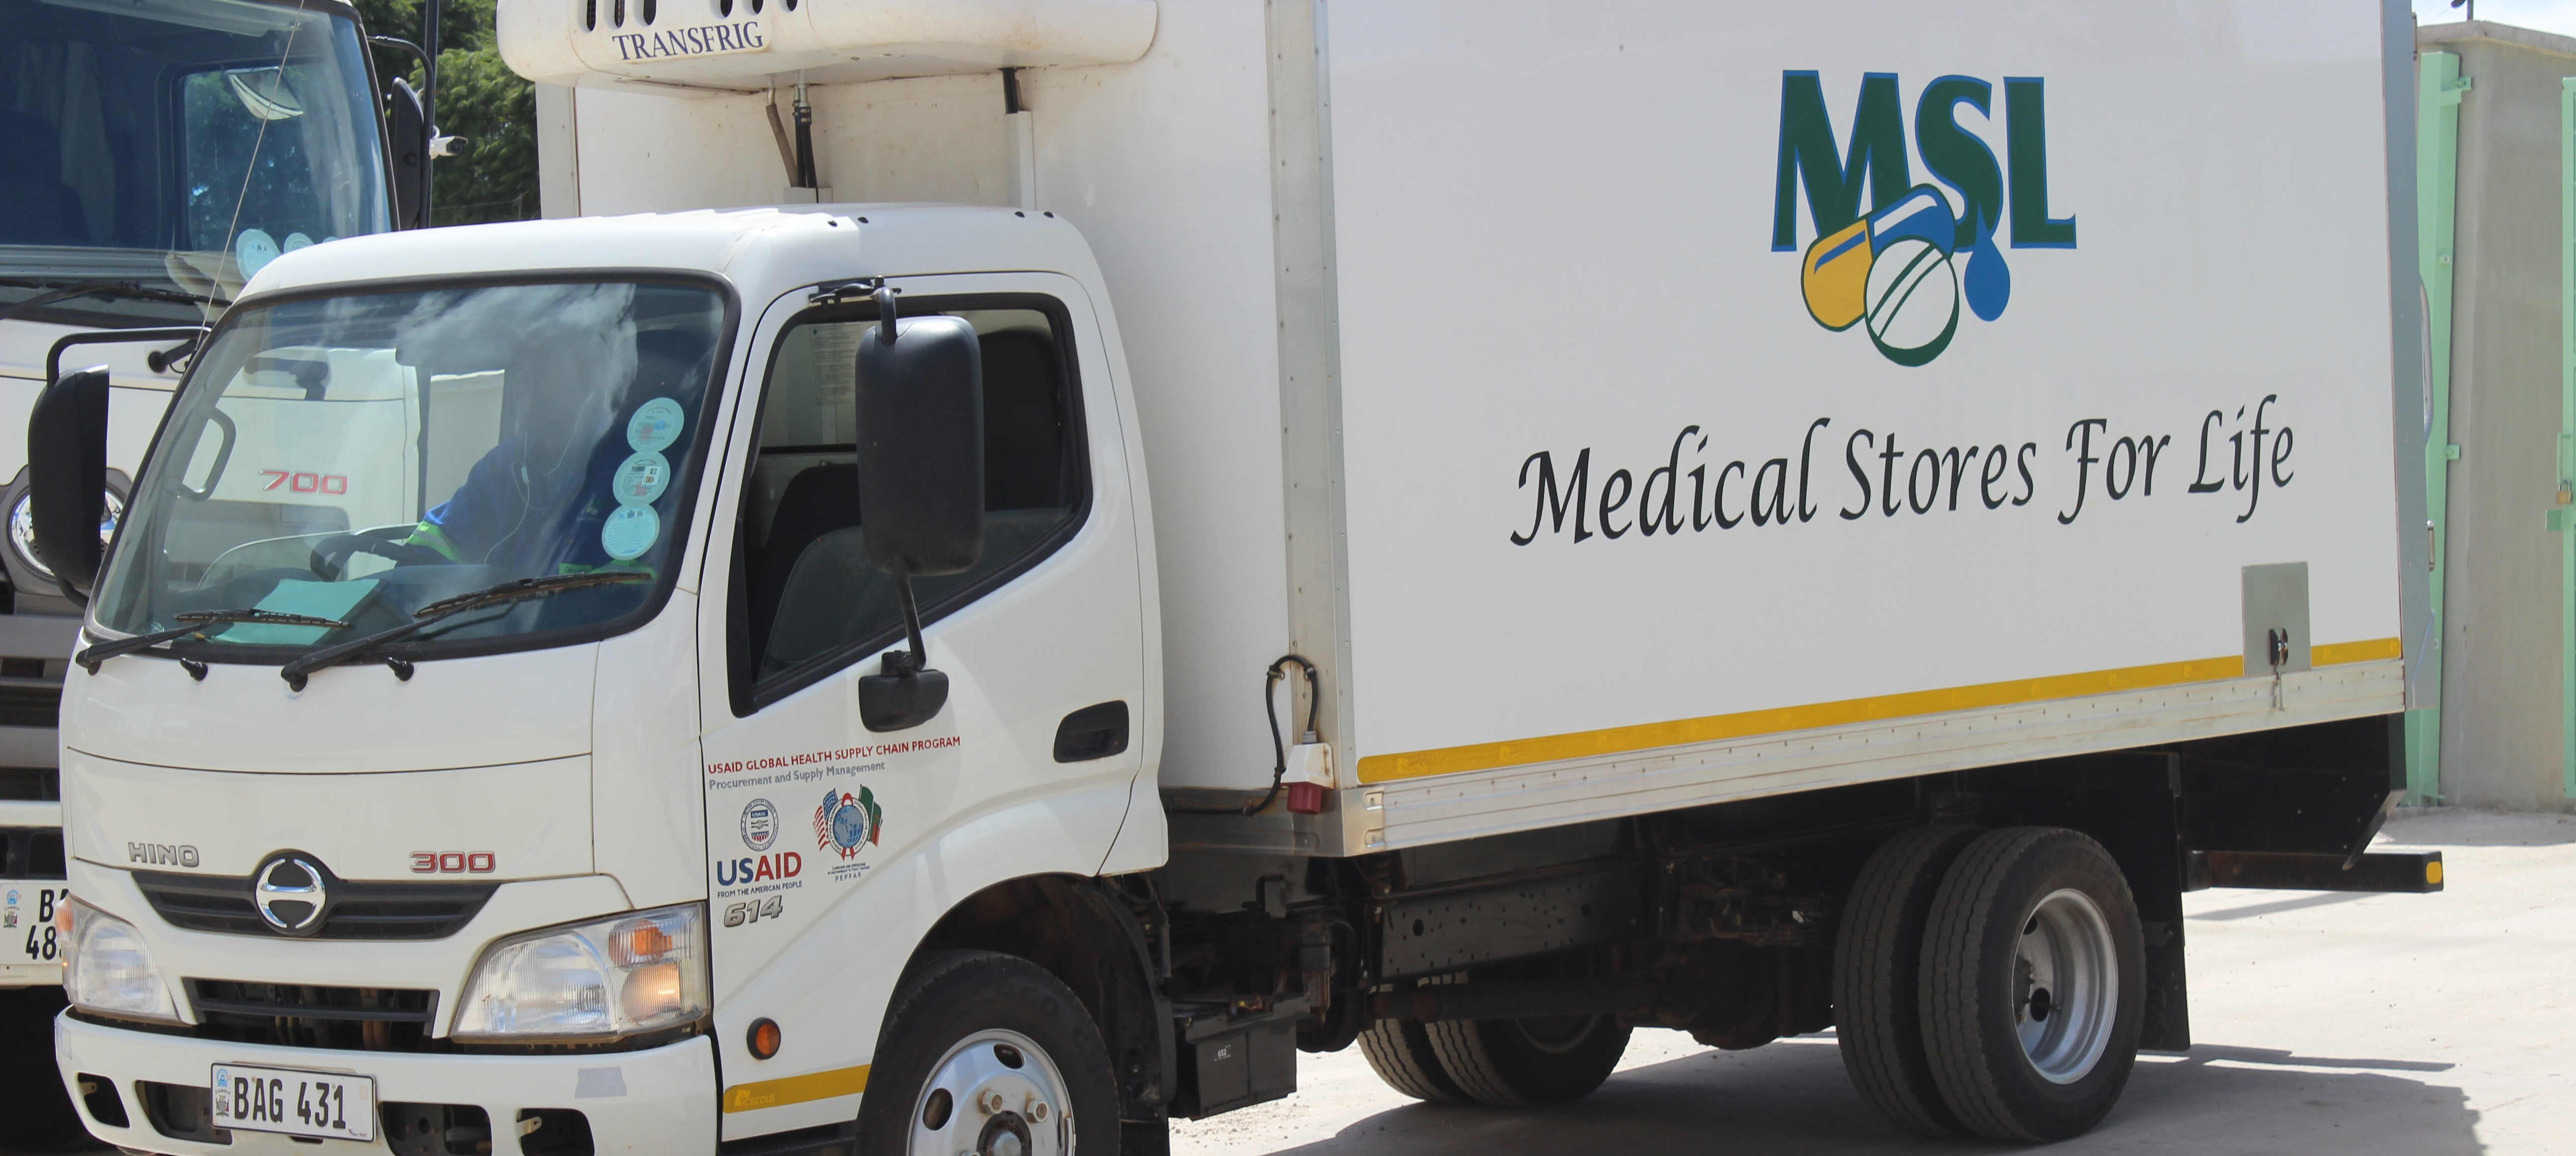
(1903, 269)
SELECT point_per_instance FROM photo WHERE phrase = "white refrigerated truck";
(1743, 521)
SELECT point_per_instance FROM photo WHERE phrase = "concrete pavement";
(2421, 1025)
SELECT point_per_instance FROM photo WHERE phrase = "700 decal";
(306, 483)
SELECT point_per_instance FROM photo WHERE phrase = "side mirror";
(921, 484)
(407, 138)
(67, 477)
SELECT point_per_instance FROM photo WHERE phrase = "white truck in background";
(1744, 522)
(154, 154)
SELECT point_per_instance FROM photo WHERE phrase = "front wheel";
(988, 1055)
(2033, 984)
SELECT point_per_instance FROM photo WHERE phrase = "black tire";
(952, 996)
(1527, 1063)
(1399, 1051)
(1985, 951)
(41, 1117)
(1878, 956)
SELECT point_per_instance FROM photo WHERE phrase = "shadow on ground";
(1793, 1097)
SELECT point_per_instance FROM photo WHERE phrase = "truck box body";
(1519, 411)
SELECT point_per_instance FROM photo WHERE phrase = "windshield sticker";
(641, 478)
(655, 426)
(629, 532)
(253, 250)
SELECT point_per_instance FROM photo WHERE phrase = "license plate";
(27, 911)
(297, 1103)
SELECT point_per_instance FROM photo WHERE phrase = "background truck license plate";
(296, 1103)
(27, 911)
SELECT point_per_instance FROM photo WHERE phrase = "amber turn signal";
(763, 1040)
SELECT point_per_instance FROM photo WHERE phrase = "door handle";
(1094, 732)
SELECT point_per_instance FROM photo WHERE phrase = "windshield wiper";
(60, 291)
(514, 590)
(90, 658)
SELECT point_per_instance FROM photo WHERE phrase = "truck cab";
(660, 410)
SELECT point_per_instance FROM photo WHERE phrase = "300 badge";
(451, 863)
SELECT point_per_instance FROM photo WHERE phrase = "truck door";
(835, 848)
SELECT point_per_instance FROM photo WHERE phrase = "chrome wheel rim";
(2066, 983)
(996, 1093)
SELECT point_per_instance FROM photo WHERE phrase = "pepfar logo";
(1904, 270)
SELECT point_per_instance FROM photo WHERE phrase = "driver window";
(811, 600)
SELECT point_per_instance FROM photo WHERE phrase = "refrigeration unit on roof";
(745, 45)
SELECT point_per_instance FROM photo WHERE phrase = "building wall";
(2502, 724)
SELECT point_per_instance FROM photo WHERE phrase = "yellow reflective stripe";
(796, 1089)
(1747, 724)
(2338, 653)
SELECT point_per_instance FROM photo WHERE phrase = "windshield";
(354, 459)
(176, 145)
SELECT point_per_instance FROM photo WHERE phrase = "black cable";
(1278, 744)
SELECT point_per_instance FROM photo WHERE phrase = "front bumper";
(657, 1101)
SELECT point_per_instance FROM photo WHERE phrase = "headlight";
(110, 970)
(22, 529)
(610, 977)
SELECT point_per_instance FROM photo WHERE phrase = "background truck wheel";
(1526, 1063)
(988, 1054)
(2033, 984)
(1878, 953)
(1399, 1051)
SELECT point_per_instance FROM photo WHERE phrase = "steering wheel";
(331, 555)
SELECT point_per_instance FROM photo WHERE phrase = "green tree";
(493, 176)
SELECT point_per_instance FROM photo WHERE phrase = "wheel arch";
(1088, 933)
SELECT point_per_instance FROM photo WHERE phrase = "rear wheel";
(2033, 984)
(1878, 953)
(1526, 1063)
(988, 1055)
(1399, 1051)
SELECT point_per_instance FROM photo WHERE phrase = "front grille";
(31, 853)
(373, 1019)
(385, 911)
(31, 784)
(30, 705)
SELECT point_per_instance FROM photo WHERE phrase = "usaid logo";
(1903, 268)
